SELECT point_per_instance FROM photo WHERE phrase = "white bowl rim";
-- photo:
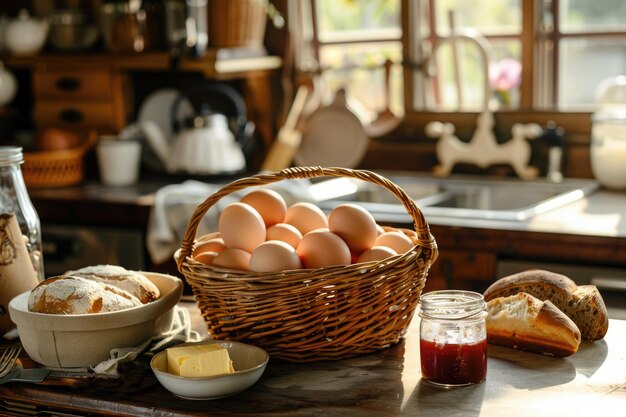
(107, 319)
(204, 378)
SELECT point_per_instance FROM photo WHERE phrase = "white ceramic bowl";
(249, 362)
(83, 340)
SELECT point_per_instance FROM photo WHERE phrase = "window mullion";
(555, 53)
(529, 25)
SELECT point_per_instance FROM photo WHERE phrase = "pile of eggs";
(261, 234)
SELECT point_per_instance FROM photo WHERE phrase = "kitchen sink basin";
(457, 196)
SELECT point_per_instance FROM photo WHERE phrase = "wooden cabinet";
(470, 270)
(95, 91)
(80, 100)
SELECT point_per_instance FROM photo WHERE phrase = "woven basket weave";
(312, 314)
(62, 168)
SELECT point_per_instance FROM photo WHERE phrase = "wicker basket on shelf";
(312, 314)
(62, 168)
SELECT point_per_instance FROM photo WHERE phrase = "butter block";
(199, 361)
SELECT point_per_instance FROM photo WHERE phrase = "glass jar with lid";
(608, 134)
(608, 146)
(453, 337)
(14, 199)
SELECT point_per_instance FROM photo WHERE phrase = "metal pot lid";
(68, 17)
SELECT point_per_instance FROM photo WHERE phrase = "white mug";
(118, 160)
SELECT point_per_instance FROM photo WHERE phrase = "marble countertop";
(388, 383)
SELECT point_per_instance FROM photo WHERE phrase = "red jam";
(453, 364)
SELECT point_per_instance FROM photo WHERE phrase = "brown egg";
(397, 241)
(274, 256)
(212, 245)
(306, 217)
(379, 230)
(320, 248)
(232, 258)
(205, 257)
(242, 227)
(270, 205)
(355, 225)
(377, 253)
(284, 232)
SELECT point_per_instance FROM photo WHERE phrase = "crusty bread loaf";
(583, 304)
(76, 295)
(525, 322)
(131, 281)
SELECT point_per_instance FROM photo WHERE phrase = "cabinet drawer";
(78, 115)
(462, 270)
(70, 85)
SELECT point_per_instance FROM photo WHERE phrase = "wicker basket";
(49, 169)
(237, 23)
(312, 314)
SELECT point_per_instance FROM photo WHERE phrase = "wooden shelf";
(254, 72)
(210, 66)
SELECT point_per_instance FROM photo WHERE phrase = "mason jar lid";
(10, 155)
(453, 305)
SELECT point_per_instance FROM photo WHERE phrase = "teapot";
(208, 142)
(25, 35)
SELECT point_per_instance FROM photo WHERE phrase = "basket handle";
(421, 226)
(90, 142)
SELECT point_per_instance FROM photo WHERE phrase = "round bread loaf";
(76, 295)
(131, 281)
(581, 303)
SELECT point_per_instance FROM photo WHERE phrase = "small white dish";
(249, 362)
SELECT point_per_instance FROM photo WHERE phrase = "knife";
(25, 375)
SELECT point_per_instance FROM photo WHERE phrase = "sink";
(457, 196)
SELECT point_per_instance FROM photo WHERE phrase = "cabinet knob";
(68, 84)
(71, 116)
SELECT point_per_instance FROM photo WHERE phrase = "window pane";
(342, 20)
(504, 77)
(359, 67)
(584, 63)
(359, 54)
(489, 17)
(471, 73)
(593, 15)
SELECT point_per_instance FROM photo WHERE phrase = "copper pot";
(126, 28)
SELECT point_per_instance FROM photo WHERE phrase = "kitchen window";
(546, 55)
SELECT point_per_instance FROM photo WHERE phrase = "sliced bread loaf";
(525, 322)
(583, 304)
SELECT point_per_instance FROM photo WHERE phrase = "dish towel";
(175, 204)
(173, 207)
(172, 333)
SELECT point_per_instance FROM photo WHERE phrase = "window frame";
(537, 103)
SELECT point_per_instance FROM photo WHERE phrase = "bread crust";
(525, 322)
(532, 281)
(76, 295)
(133, 282)
(583, 304)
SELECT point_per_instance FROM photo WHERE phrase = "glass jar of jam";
(453, 337)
